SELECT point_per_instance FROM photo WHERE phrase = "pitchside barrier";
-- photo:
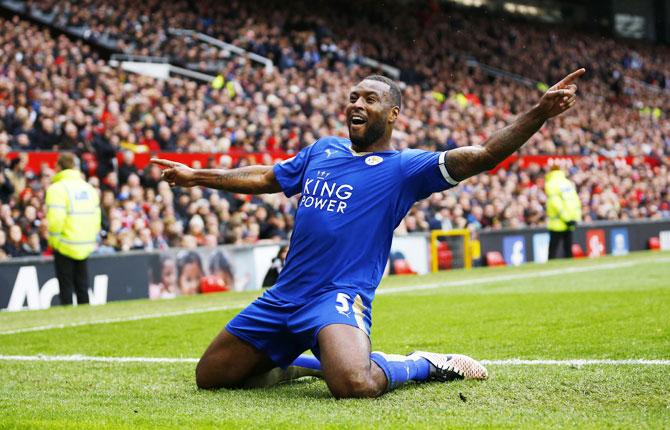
(30, 283)
(590, 240)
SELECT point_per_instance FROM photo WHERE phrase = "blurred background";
(227, 84)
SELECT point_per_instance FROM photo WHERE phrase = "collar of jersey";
(363, 154)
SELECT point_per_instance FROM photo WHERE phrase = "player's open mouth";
(357, 121)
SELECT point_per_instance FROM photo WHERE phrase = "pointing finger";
(164, 163)
(570, 78)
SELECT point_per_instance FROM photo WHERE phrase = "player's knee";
(202, 381)
(203, 377)
(209, 378)
(355, 385)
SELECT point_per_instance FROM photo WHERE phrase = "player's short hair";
(394, 89)
(68, 160)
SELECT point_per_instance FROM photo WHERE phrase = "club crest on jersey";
(373, 160)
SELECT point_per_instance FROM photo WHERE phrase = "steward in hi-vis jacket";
(564, 210)
(73, 221)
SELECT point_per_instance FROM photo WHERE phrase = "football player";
(353, 194)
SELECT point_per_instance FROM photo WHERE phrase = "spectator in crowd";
(14, 244)
(6, 186)
(127, 167)
(276, 267)
(32, 247)
(3, 245)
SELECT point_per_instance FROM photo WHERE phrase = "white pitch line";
(506, 362)
(517, 276)
(78, 357)
(575, 362)
(392, 290)
(124, 319)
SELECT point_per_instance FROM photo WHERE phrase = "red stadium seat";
(577, 251)
(445, 258)
(654, 243)
(494, 258)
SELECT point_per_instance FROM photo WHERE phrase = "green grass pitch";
(609, 308)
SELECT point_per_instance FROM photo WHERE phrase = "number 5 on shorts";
(343, 303)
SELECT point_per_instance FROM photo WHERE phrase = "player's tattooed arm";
(461, 163)
(247, 180)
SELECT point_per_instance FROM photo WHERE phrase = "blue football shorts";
(284, 330)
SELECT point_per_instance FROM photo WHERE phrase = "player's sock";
(307, 361)
(304, 365)
(400, 368)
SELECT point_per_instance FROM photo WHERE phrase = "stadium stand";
(57, 93)
(294, 32)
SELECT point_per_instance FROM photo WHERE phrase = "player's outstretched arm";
(467, 161)
(247, 180)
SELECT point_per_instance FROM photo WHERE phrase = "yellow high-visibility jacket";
(73, 215)
(563, 204)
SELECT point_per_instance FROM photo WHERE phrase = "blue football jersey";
(350, 204)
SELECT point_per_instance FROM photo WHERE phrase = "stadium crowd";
(57, 94)
(300, 32)
(284, 110)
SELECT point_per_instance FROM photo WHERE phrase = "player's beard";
(373, 132)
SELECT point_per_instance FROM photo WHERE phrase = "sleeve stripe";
(443, 169)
